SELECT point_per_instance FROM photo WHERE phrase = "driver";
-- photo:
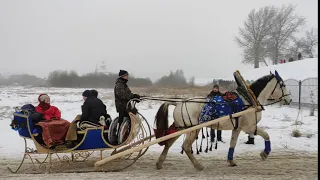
(122, 95)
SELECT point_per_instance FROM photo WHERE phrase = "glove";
(134, 111)
(136, 96)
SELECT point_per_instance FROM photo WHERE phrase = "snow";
(299, 70)
(277, 121)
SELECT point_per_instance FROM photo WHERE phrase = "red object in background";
(282, 61)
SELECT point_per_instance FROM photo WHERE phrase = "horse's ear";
(270, 72)
(276, 74)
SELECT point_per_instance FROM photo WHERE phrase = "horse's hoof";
(263, 155)
(159, 166)
(232, 163)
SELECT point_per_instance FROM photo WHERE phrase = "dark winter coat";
(122, 94)
(92, 109)
(212, 93)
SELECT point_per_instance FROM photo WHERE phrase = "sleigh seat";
(22, 122)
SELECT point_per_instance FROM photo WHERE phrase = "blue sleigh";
(133, 132)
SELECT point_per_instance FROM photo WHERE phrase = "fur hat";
(87, 93)
(123, 73)
(43, 97)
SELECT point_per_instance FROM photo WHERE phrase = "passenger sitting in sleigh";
(54, 128)
(94, 114)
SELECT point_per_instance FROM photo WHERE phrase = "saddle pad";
(217, 107)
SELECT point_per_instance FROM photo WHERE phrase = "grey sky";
(146, 37)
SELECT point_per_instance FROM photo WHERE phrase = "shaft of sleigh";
(164, 138)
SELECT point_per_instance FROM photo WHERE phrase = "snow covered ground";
(279, 122)
(299, 70)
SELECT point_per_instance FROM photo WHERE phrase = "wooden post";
(164, 138)
(300, 94)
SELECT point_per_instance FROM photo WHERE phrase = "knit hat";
(87, 93)
(216, 86)
(123, 73)
(43, 97)
(42, 104)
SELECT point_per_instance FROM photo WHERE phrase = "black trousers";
(122, 115)
(212, 135)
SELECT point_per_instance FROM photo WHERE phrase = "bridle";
(283, 95)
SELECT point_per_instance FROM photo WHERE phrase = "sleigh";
(95, 141)
(135, 138)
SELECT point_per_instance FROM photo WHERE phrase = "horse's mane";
(258, 85)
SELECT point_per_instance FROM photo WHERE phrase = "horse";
(267, 89)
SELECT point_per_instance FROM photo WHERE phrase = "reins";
(185, 100)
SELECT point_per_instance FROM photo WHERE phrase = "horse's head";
(271, 89)
(280, 92)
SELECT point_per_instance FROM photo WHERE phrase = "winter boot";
(220, 140)
(250, 140)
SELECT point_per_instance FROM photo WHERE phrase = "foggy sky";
(146, 37)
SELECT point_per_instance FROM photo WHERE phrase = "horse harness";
(281, 83)
(185, 103)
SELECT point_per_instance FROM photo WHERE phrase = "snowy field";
(278, 121)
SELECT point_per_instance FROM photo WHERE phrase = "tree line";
(101, 80)
(72, 79)
(22, 80)
(269, 34)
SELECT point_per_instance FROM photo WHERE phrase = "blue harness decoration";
(219, 106)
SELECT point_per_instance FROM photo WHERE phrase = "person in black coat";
(215, 92)
(108, 119)
(94, 93)
(123, 95)
(290, 59)
(93, 108)
(299, 56)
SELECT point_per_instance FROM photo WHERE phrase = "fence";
(304, 93)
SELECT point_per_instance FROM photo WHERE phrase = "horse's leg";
(187, 144)
(164, 153)
(233, 143)
(267, 149)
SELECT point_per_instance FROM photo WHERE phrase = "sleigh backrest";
(22, 118)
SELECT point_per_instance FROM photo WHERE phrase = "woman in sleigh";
(54, 128)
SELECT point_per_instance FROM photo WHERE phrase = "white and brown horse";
(268, 89)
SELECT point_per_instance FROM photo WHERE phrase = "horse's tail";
(161, 119)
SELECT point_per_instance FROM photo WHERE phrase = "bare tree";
(192, 81)
(295, 47)
(306, 45)
(254, 35)
(284, 25)
(310, 42)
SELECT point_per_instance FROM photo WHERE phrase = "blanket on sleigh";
(219, 106)
(54, 131)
